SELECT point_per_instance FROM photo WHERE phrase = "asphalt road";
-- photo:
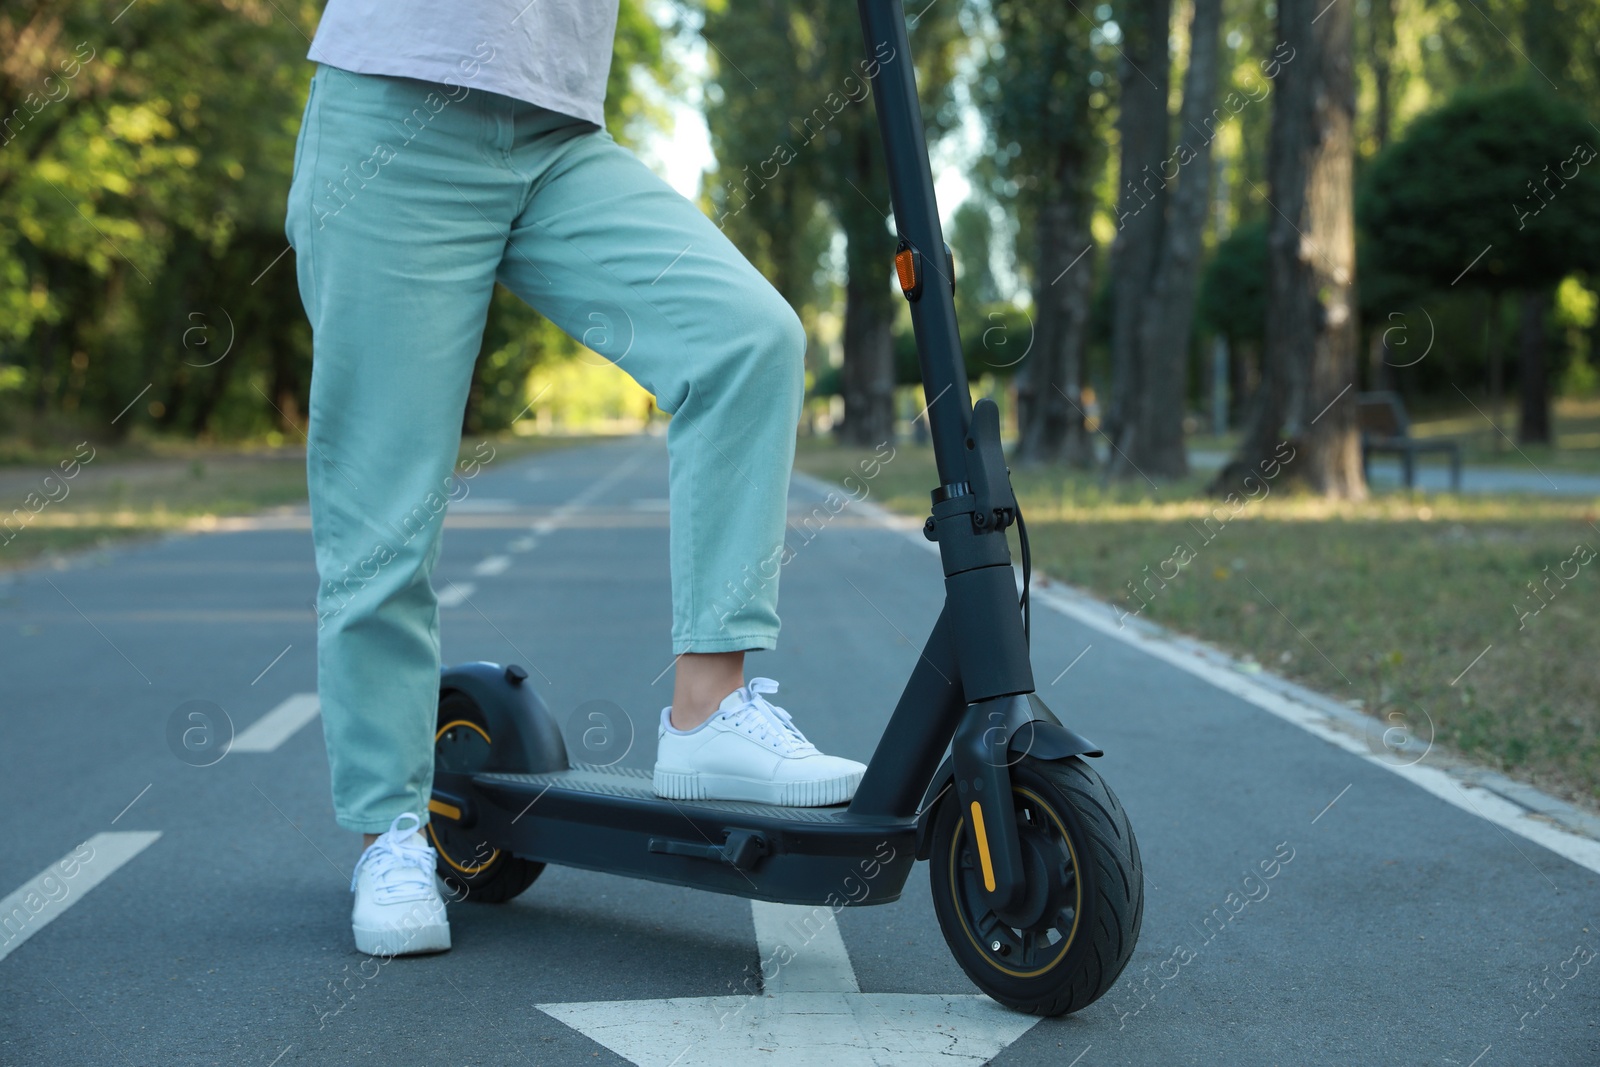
(1402, 928)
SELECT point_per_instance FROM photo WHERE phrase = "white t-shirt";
(554, 53)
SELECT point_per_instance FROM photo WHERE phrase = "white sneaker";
(398, 909)
(750, 750)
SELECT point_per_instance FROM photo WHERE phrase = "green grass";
(1384, 603)
(153, 487)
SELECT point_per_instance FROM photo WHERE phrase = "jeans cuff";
(755, 642)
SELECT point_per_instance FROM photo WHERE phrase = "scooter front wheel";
(1072, 935)
(471, 868)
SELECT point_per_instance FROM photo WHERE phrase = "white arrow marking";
(811, 1011)
(278, 725)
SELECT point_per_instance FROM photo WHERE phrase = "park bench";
(1386, 428)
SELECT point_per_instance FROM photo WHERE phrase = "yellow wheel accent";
(955, 896)
(451, 811)
(485, 865)
(461, 722)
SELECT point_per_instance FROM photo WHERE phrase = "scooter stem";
(972, 505)
(916, 216)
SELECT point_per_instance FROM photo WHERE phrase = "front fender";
(1032, 731)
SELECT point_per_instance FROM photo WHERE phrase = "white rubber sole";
(697, 785)
(405, 940)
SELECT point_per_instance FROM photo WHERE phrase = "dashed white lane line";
(277, 725)
(37, 903)
(482, 505)
(455, 594)
(1469, 797)
(522, 544)
(490, 566)
(617, 473)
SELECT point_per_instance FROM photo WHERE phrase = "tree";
(1311, 328)
(1152, 432)
(1498, 190)
(765, 190)
(1142, 79)
(792, 90)
(1233, 300)
(1033, 91)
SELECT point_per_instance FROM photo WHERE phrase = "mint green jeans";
(410, 200)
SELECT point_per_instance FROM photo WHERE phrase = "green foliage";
(145, 156)
(146, 153)
(994, 339)
(1033, 92)
(1233, 289)
(1510, 173)
(971, 238)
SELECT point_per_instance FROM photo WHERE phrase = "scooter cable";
(1027, 572)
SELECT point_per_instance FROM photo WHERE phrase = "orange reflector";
(983, 847)
(906, 268)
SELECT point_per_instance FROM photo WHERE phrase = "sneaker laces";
(761, 718)
(402, 868)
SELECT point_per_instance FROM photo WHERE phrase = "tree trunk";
(867, 376)
(1533, 378)
(1153, 437)
(1332, 435)
(1380, 31)
(1309, 359)
(1495, 343)
(1050, 420)
(1380, 374)
(1143, 78)
(1288, 319)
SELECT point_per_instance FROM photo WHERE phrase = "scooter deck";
(609, 819)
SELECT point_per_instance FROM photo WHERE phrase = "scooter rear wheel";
(1065, 945)
(471, 868)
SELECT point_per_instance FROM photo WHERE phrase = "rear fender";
(524, 736)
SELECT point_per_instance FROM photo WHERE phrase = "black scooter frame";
(971, 691)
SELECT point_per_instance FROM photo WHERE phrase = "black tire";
(472, 870)
(1085, 884)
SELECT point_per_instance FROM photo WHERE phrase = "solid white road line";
(455, 594)
(1222, 672)
(37, 903)
(490, 566)
(277, 725)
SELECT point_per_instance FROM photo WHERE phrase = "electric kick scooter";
(1035, 872)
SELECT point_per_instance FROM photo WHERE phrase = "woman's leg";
(390, 216)
(617, 258)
